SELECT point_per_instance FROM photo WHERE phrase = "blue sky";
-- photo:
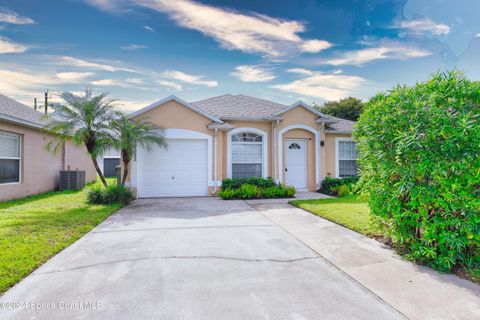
(143, 50)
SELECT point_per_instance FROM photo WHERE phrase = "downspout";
(215, 175)
(275, 174)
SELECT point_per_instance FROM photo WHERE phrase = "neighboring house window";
(9, 157)
(247, 157)
(347, 159)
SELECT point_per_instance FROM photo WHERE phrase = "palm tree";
(85, 120)
(130, 134)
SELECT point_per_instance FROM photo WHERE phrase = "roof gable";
(161, 102)
(303, 105)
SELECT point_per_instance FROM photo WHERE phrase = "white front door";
(180, 170)
(296, 163)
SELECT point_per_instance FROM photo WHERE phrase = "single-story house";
(26, 167)
(233, 136)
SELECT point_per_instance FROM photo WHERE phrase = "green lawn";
(351, 212)
(35, 228)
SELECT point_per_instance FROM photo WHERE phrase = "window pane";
(9, 170)
(347, 168)
(246, 137)
(246, 152)
(347, 150)
(246, 170)
(9, 145)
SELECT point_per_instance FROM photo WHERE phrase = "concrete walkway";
(416, 291)
(195, 259)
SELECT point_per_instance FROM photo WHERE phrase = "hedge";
(420, 164)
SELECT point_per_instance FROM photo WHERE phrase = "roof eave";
(22, 122)
(178, 100)
(339, 131)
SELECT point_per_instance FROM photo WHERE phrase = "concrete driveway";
(199, 258)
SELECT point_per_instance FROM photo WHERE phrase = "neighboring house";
(240, 136)
(26, 167)
(109, 161)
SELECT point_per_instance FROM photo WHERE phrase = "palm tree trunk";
(126, 162)
(99, 172)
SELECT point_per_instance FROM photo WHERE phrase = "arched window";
(294, 145)
(247, 155)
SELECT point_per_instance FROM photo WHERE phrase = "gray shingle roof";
(242, 107)
(233, 107)
(20, 113)
(342, 125)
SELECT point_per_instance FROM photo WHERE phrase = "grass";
(353, 213)
(350, 211)
(35, 228)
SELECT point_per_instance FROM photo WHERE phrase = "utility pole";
(35, 103)
(46, 102)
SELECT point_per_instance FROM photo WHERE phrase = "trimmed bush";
(250, 191)
(227, 194)
(331, 186)
(236, 183)
(420, 165)
(112, 194)
(344, 190)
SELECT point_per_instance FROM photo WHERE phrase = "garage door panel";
(180, 170)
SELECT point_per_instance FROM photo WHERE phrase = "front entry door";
(296, 163)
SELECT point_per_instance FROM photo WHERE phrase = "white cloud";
(477, 35)
(27, 81)
(8, 46)
(424, 26)
(8, 16)
(322, 85)
(253, 33)
(74, 76)
(170, 84)
(131, 105)
(136, 81)
(108, 83)
(74, 62)
(108, 5)
(387, 51)
(133, 47)
(148, 28)
(300, 71)
(314, 46)
(251, 73)
(188, 78)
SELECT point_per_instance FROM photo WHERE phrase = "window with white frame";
(9, 157)
(247, 155)
(347, 159)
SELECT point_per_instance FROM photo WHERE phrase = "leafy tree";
(420, 164)
(86, 121)
(129, 134)
(349, 108)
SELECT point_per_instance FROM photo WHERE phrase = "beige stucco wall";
(78, 158)
(330, 154)
(39, 167)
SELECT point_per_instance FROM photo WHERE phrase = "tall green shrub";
(420, 163)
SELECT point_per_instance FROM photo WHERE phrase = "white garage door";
(178, 171)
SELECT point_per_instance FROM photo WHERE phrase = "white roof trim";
(304, 105)
(338, 131)
(176, 99)
(20, 121)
